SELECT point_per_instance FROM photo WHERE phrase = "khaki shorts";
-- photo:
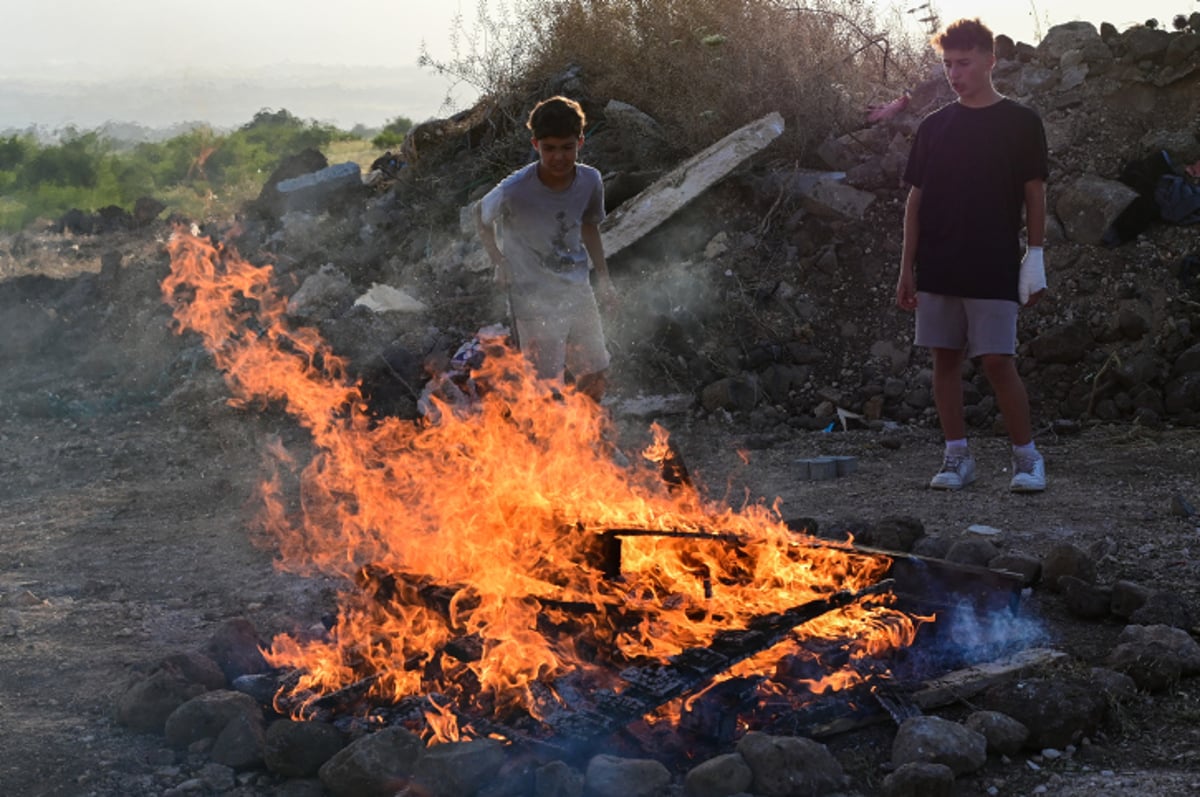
(977, 326)
(560, 330)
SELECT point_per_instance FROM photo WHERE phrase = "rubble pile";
(771, 293)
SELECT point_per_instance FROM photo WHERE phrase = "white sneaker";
(1029, 474)
(958, 470)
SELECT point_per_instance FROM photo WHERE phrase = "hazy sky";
(83, 44)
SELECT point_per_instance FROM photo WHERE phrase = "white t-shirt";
(538, 229)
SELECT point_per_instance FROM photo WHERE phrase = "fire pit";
(505, 578)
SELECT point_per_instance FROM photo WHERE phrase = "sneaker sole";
(951, 488)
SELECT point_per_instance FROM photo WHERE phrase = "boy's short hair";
(557, 117)
(966, 34)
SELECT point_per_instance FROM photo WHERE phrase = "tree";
(14, 150)
(393, 133)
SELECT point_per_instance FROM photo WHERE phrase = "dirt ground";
(123, 537)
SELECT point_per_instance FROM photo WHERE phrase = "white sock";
(1027, 450)
(956, 446)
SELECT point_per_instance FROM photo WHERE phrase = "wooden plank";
(638, 216)
(935, 693)
(969, 681)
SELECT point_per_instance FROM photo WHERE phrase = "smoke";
(668, 304)
(967, 634)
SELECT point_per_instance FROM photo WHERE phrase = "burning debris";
(499, 567)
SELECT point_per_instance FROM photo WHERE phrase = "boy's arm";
(1031, 281)
(906, 285)
(590, 235)
(1035, 212)
(487, 235)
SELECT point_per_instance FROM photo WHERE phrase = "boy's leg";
(948, 392)
(586, 354)
(1011, 396)
(993, 336)
(942, 327)
(543, 342)
(593, 385)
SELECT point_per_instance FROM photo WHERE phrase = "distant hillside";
(163, 105)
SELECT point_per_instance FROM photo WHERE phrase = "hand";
(606, 294)
(906, 290)
(1032, 281)
(501, 275)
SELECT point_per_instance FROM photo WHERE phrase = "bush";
(700, 67)
(393, 133)
(194, 172)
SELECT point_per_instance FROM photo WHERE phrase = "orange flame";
(469, 544)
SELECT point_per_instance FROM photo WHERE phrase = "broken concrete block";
(310, 191)
(685, 182)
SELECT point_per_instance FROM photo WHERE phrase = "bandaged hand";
(1032, 279)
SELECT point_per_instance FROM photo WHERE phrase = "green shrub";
(393, 133)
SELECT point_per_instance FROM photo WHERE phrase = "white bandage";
(1033, 274)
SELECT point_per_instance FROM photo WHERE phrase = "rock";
(1027, 566)
(1065, 559)
(240, 743)
(1005, 736)
(972, 549)
(931, 546)
(919, 779)
(236, 648)
(898, 533)
(1144, 44)
(1060, 39)
(1164, 608)
(387, 299)
(298, 749)
(206, 715)
(1113, 685)
(1182, 50)
(610, 776)
(148, 701)
(731, 393)
(459, 769)
(326, 293)
(1084, 600)
(935, 740)
(788, 765)
(1088, 206)
(1128, 597)
(1068, 344)
(1155, 656)
(376, 765)
(837, 199)
(1188, 362)
(719, 777)
(557, 779)
(1057, 712)
(320, 189)
(642, 137)
(1152, 667)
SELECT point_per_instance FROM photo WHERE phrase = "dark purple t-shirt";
(971, 165)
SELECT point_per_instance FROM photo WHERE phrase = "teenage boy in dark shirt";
(540, 227)
(975, 164)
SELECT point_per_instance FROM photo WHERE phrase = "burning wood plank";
(652, 686)
(868, 704)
